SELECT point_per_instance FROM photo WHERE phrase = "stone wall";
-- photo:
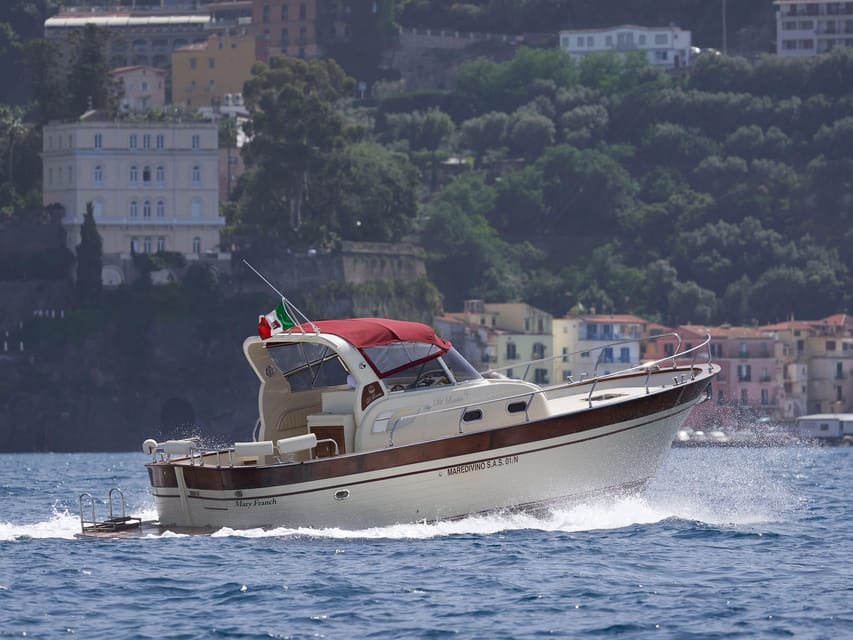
(85, 388)
(426, 59)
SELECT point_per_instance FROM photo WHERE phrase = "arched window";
(147, 245)
(196, 175)
(161, 175)
(146, 210)
(134, 245)
(195, 208)
(146, 175)
(99, 174)
(196, 245)
(98, 208)
(134, 208)
(134, 175)
(161, 209)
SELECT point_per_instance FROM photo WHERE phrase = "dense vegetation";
(722, 194)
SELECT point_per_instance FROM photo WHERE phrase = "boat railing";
(649, 368)
(193, 452)
(602, 350)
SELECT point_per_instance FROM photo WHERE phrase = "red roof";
(373, 332)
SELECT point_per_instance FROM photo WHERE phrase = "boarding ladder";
(114, 524)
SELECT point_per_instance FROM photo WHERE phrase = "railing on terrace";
(459, 35)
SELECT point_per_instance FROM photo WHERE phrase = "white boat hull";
(622, 456)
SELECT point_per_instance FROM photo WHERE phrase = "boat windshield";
(390, 358)
(449, 368)
(461, 369)
(308, 365)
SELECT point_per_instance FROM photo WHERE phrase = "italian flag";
(275, 322)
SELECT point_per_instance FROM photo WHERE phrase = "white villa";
(154, 186)
(668, 47)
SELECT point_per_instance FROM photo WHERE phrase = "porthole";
(516, 407)
(474, 414)
(343, 494)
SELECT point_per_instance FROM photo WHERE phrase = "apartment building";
(791, 364)
(816, 364)
(204, 73)
(667, 47)
(286, 27)
(502, 336)
(153, 185)
(134, 39)
(829, 354)
(146, 32)
(747, 357)
(810, 27)
(586, 344)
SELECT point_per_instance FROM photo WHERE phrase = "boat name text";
(257, 502)
(482, 466)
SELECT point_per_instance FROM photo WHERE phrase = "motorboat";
(370, 422)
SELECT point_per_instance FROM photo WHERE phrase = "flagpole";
(285, 301)
(258, 273)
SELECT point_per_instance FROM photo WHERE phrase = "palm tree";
(12, 129)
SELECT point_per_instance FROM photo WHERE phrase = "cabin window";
(308, 365)
(471, 416)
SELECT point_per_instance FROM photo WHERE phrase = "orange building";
(203, 73)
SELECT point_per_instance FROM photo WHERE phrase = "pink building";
(747, 379)
(144, 87)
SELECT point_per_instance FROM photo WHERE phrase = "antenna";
(291, 308)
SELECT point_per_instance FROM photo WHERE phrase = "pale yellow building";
(503, 337)
(202, 74)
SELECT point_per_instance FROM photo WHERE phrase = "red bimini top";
(363, 333)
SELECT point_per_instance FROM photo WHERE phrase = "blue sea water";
(728, 543)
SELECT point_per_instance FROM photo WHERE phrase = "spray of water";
(716, 487)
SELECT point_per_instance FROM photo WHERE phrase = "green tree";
(491, 269)
(584, 125)
(584, 189)
(530, 133)
(228, 140)
(483, 133)
(377, 198)
(49, 91)
(90, 85)
(295, 128)
(89, 261)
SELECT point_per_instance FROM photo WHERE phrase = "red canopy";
(372, 332)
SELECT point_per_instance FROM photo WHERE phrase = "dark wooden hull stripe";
(422, 471)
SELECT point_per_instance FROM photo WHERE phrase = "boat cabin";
(360, 384)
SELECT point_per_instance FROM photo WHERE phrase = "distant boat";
(369, 422)
(826, 428)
